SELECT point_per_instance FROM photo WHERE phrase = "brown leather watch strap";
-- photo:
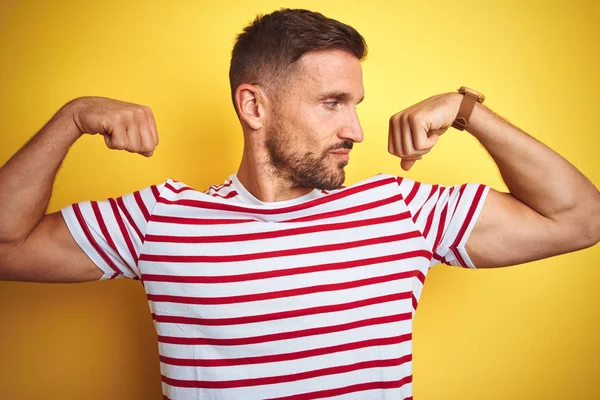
(466, 108)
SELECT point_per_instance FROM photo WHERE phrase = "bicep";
(508, 232)
(49, 254)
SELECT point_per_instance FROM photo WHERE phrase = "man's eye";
(332, 104)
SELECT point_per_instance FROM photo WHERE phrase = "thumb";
(407, 164)
(432, 140)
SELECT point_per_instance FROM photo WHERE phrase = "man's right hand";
(125, 126)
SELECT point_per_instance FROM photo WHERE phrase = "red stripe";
(415, 303)
(197, 221)
(124, 232)
(216, 188)
(432, 214)
(348, 210)
(283, 210)
(296, 355)
(442, 223)
(141, 205)
(428, 223)
(155, 192)
(458, 257)
(285, 335)
(93, 242)
(413, 192)
(440, 258)
(280, 293)
(420, 276)
(106, 233)
(359, 387)
(280, 253)
(278, 233)
(181, 189)
(465, 224)
(272, 380)
(286, 272)
(330, 214)
(453, 250)
(461, 191)
(431, 193)
(229, 195)
(249, 319)
(129, 218)
(470, 214)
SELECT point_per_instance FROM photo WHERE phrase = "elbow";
(590, 231)
(583, 224)
(593, 233)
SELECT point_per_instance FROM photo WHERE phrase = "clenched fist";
(125, 126)
(415, 130)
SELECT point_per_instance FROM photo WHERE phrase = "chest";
(220, 270)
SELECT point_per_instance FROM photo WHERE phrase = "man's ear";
(250, 102)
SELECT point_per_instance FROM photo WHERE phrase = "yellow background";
(526, 332)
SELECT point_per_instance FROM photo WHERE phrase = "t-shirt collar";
(246, 197)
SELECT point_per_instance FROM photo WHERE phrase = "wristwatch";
(466, 107)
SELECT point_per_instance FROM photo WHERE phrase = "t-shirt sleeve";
(111, 232)
(445, 215)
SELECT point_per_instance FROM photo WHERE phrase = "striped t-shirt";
(308, 298)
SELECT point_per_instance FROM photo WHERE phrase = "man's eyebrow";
(340, 96)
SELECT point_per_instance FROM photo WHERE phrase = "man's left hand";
(415, 130)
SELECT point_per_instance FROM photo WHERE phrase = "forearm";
(27, 178)
(534, 173)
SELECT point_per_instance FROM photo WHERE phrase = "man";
(280, 283)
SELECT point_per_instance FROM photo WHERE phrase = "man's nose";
(352, 130)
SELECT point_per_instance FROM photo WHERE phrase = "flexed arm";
(552, 208)
(38, 247)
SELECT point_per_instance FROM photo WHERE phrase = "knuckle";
(146, 148)
(139, 112)
(120, 141)
(133, 148)
(126, 115)
(147, 109)
(129, 114)
(414, 118)
(396, 119)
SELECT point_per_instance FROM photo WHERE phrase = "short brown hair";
(265, 52)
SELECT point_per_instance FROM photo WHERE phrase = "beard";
(309, 169)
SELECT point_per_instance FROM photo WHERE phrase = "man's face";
(312, 123)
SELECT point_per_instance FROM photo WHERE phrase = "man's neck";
(265, 183)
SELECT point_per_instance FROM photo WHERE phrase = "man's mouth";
(342, 154)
